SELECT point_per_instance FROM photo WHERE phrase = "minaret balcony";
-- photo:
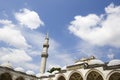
(46, 45)
(44, 55)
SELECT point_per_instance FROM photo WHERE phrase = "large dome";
(7, 64)
(114, 62)
(95, 61)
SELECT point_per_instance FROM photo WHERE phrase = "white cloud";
(67, 58)
(31, 66)
(112, 9)
(3, 51)
(110, 56)
(29, 18)
(15, 55)
(99, 30)
(34, 38)
(6, 22)
(12, 36)
(59, 59)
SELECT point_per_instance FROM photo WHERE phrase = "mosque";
(84, 69)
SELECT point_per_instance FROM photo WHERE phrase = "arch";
(94, 74)
(5, 76)
(61, 78)
(20, 78)
(114, 75)
(76, 75)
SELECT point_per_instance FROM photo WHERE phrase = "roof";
(95, 61)
(114, 62)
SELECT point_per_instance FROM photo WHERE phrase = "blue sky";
(77, 28)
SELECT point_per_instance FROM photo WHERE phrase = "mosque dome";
(46, 74)
(114, 62)
(7, 64)
(19, 69)
(95, 61)
(38, 75)
(30, 72)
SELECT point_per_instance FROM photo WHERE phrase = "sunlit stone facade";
(85, 71)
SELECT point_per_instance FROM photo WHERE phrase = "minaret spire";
(47, 35)
(44, 54)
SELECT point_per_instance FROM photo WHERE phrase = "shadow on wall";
(7, 76)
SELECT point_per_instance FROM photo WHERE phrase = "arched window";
(5, 76)
(20, 78)
(76, 76)
(61, 78)
(115, 76)
(94, 76)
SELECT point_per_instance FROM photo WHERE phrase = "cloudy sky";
(77, 28)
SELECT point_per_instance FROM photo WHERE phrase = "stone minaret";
(44, 55)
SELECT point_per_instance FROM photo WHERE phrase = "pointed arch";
(20, 78)
(61, 77)
(5, 76)
(75, 75)
(114, 75)
(94, 75)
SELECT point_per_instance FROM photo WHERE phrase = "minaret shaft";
(44, 55)
(43, 65)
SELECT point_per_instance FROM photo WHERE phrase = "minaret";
(44, 55)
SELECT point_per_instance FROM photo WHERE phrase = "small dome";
(54, 72)
(7, 64)
(46, 74)
(38, 75)
(114, 62)
(19, 69)
(30, 72)
(95, 61)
